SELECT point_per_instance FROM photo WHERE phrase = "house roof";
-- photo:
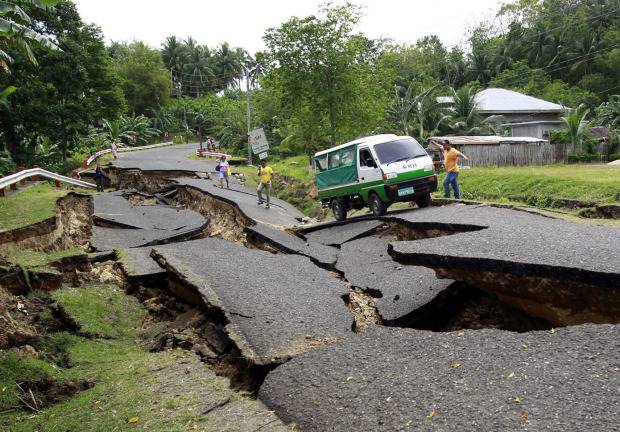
(502, 101)
(487, 139)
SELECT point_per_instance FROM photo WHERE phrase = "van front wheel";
(377, 207)
(339, 210)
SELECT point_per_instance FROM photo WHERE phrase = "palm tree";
(174, 54)
(198, 71)
(229, 65)
(464, 116)
(577, 126)
(608, 113)
(421, 108)
(480, 67)
(502, 57)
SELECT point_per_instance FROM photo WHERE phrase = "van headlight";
(428, 167)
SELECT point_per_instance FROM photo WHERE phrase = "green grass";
(14, 369)
(32, 205)
(30, 258)
(167, 391)
(540, 185)
(102, 310)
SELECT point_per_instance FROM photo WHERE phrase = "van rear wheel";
(424, 200)
(377, 207)
(339, 210)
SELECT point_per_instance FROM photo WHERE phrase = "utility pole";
(247, 113)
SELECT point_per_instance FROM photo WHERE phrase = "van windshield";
(399, 150)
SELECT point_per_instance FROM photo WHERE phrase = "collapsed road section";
(565, 273)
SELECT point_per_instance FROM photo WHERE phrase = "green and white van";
(374, 171)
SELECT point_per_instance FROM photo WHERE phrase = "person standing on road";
(265, 173)
(114, 149)
(99, 175)
(450, 157)
(223, 170)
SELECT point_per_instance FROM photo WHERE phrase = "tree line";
(318, 82)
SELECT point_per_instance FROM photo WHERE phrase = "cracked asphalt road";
(113, 207)
(366, 263)
(277, 305)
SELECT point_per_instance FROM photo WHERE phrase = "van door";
(368, 172)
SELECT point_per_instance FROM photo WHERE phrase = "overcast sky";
(243, 23)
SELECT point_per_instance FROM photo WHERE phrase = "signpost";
(259, 143)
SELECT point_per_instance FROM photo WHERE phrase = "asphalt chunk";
(401, 379)
(398, 290)
(337, 234)
(276, 306)
(110, 238)
(138, 263)
(115, 209)
(324, 256)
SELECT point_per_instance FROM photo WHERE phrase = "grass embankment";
(541, 186)
(30, 258)
(29, 206)
(132, 388)
(34, 204)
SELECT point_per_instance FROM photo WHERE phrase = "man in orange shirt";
(450, 156)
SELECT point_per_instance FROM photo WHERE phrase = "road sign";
(258, 141)
(262, 155)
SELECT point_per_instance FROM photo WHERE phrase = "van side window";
(334, 160)
(366, 159)
(347, 157)
(321, 162)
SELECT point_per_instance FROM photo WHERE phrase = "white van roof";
(373, 139)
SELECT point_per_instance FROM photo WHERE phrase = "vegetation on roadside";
(541, 186)
(29, 258)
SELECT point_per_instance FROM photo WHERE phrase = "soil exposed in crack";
(225, 220)
(143, 181)
(362, 306)
(37, 395)
(464, 307)
(187, 322)
(418, 231)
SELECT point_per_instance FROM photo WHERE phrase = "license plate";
(405, 191)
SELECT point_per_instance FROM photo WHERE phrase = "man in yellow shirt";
(265, 173)
(450, 157)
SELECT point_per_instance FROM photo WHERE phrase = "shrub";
(178, 139)
(584, 157)
(614, 156)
